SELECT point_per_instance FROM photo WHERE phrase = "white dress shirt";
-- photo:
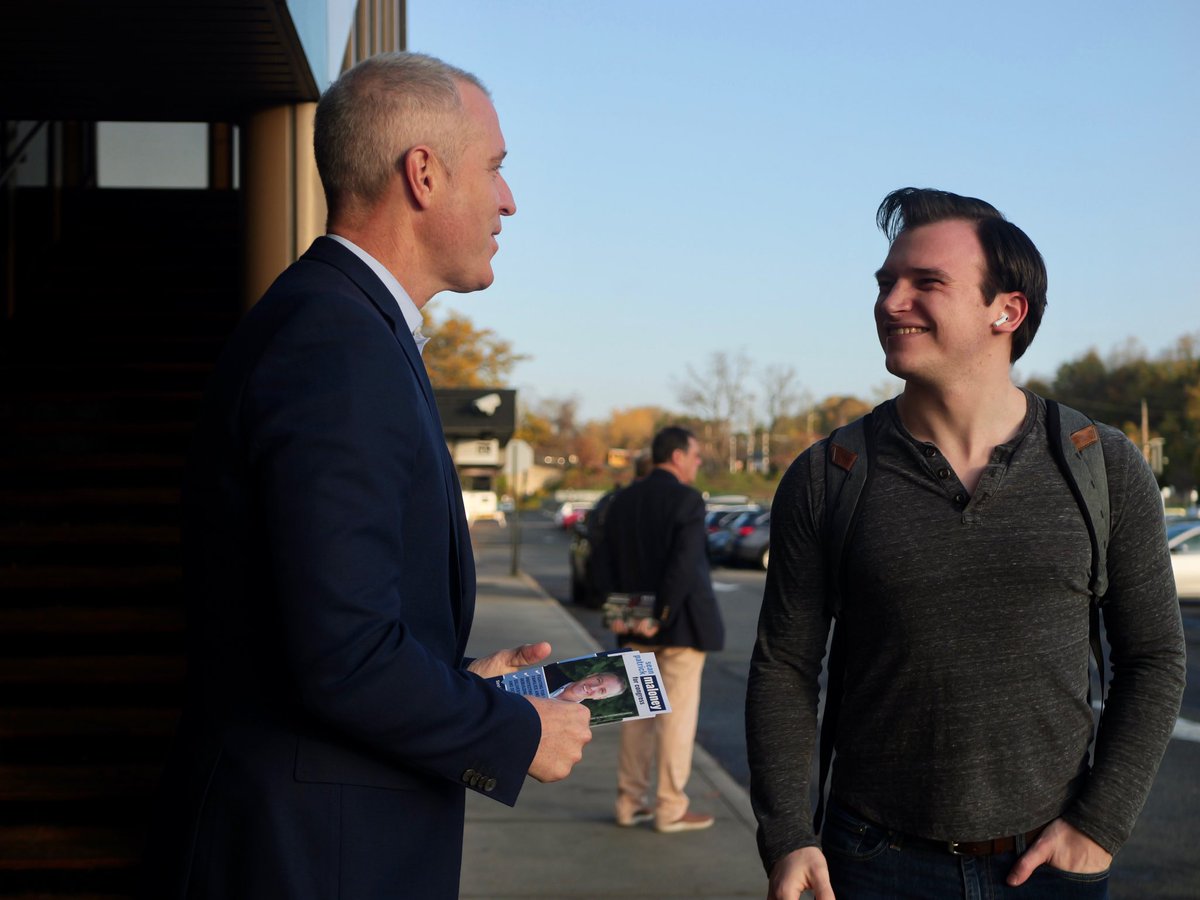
(408, 309)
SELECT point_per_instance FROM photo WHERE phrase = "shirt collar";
(412, 316)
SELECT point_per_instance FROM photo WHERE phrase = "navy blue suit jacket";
(330, 729)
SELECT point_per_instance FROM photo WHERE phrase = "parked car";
(720, 538)
(1183, 538)
(579, 558)
(586, 587)
(712, 517)
(715, 517)
(752, 542)
(571, 512)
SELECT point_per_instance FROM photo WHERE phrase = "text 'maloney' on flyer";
(615, 685)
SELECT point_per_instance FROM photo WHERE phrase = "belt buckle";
(953, 846)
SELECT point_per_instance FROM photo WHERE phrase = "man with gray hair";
(332, 724)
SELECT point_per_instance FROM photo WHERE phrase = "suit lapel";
(336, 255)
(461, 561)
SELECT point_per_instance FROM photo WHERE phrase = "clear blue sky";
(701, 176)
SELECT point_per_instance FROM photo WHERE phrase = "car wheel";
(765, 558)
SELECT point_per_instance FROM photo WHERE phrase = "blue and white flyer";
(615, 685)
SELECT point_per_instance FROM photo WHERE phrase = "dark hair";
(1013, 262)
(667, 441)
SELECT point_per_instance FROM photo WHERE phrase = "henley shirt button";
(943, 473)
(959, 498)
(931, 452)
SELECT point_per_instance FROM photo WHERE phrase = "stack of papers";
(615, 685)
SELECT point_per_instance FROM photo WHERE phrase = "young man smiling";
(962, 744)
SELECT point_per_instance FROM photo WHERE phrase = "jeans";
(869, 862)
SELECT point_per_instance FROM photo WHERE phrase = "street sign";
(518, 457)
(518, 460)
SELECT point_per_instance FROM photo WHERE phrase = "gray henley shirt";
(965, 714)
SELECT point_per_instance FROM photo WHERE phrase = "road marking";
(724, 586)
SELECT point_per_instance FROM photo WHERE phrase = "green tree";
(1113, 390)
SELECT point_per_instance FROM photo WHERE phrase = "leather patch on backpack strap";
(842, 458)
(1085, 437)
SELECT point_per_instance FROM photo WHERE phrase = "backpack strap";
(1075, 444)
(848, 454)
(847, 464)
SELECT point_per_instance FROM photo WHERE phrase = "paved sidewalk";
(560, 840)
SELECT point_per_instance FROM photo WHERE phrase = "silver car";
(1183, 538)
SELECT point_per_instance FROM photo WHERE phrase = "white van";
(483, 505)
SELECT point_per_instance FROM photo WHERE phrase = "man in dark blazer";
(655, 537)
(332, 724)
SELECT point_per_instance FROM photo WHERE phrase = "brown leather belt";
(976, 848)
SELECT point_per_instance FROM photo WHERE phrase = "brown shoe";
(689, 821)
(637, 817)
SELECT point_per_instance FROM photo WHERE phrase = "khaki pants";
(674, 734)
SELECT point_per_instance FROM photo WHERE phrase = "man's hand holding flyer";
(614, 685)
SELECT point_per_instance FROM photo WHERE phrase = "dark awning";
(149, 60)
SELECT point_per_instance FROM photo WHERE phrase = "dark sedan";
(752, 542)
(723, 531)
(588, 586)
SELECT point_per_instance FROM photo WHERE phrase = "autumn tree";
(835, 411)
(550, 426)
(781, 391)
(532, 427)
(781, 395)
(717, 394)
(460, 355)
(634, 428)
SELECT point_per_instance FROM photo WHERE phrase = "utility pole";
(1152, 448)
(1145, 430)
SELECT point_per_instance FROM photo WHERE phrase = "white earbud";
(1000, 321)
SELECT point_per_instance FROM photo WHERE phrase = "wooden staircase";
(101, 374)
